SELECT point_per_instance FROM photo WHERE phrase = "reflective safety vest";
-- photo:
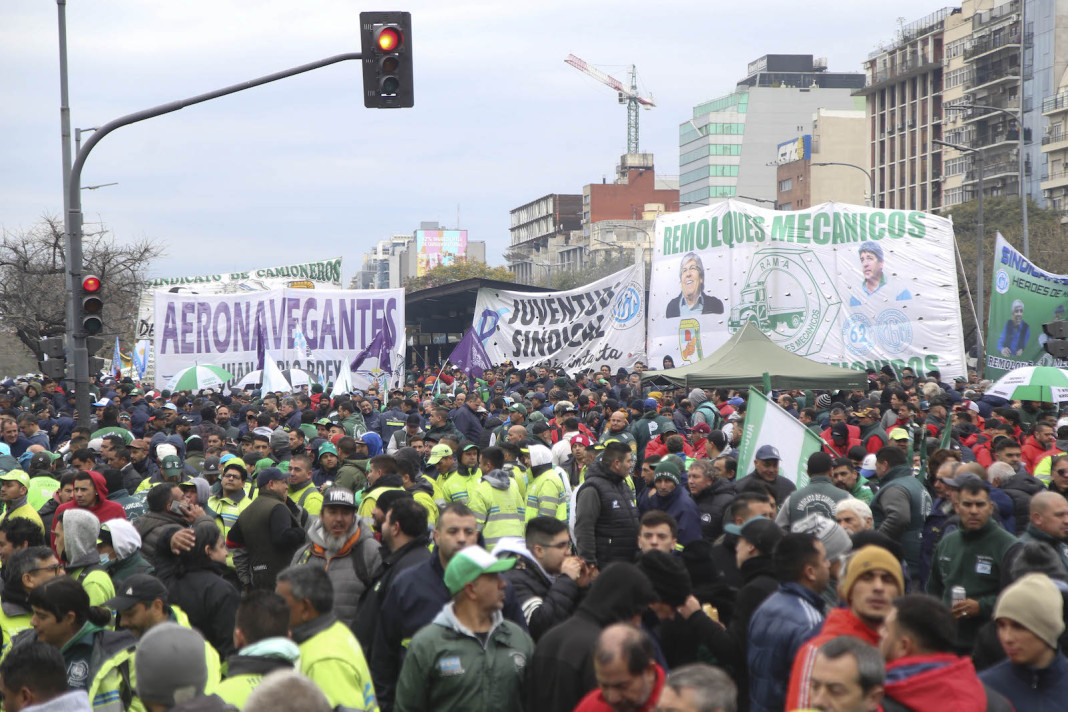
(521, 475)
(499, 513)
(227, 512)
(548, 496)
(13, 620)
(367, 504)
(334, 661)
(431, 507)
(457, 487)
(308, 498)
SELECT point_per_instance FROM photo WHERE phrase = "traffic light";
(1056, 332)
(53, 364)
(92, 305)
(386, 45)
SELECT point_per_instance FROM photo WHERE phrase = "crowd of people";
(532, 539)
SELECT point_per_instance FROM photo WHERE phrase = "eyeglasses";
(56, 569)
(236, 475)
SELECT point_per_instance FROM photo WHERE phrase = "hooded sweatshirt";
(81, 529)
(104, 510)
(127, 544)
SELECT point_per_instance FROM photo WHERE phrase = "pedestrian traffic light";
(386, 45)
(92, 305)
(52, 364)
(1056, 332)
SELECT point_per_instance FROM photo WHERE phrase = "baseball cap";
(767, 452)
(210, 466)
(437, 452)
(761, 532)
(170, 406)
(582, 439)
(899, 434)
(470, 563)
(867, 465)
(650, 403)
(518, 408)
(139, 588)
(961, 479)
(172, 465)
(701, 429)
(269, 474)
(840, 430)
(136, 392)
(326, 449)
(339, 497)
(103, 402)
(16, 476)
(325, 422)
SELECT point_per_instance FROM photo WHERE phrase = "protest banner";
(1022, 299)
(842, 284)
(600, 323)
(768, 424)
(307, 275)
(229, 329)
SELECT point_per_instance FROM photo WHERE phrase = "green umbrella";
(198, 377)
(1034, 383)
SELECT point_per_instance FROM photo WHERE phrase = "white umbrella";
(295, 376)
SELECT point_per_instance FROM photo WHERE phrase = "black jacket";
(545, 603)
(1021, 488)
(412, 553)
(270, 533)
(760, 583)
(606, 518)
(713, 502)
(561, 672)
(208, 599)
(781, 488)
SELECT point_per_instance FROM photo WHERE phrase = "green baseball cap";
(326, 448)
(470, 563)
(518, 408)
(16, 476)
(437, 452)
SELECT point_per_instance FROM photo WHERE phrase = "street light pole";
(980, 349)
(1020, 149)
(74, 210)
(867, 174)
(64, 127)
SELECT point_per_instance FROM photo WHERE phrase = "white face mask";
(105, 559)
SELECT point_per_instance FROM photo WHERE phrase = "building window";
(786, 185)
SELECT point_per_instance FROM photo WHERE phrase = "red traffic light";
(91, 284)
(388, 39)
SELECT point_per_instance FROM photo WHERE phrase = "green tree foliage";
(460, 270)
(1004, 215)
(599, 269)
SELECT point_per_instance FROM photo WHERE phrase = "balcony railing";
(981, 19)
(1055, 102)
(989, 44)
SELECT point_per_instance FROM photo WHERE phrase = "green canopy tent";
(747, 356)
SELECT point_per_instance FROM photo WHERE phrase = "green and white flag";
(768, 424)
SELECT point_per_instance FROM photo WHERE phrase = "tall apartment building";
(903, 97)
(541, 235)
(728, 147)
(1051, 83)
(390, 262)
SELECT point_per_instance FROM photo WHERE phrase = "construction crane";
(628, 96)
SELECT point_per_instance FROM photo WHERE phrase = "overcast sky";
(300, 170)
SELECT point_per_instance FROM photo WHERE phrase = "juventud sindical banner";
(841, 284)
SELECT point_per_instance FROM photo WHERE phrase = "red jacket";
(934, 683)
(840, 621)
(594, 699)
(657, 446)
(1032, 452)
(104, 509)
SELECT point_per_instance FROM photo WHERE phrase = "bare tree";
(32, 287)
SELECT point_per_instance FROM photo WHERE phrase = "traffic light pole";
(74, 211)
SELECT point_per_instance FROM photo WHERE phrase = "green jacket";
(354, 424)
(862, 491)
(448, 668)
(333, 660)
(971, 559)
(352, 475)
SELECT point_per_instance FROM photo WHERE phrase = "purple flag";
(261, 344)
(470, 356)
(380, 347)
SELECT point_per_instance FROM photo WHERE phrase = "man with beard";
(346, 547)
